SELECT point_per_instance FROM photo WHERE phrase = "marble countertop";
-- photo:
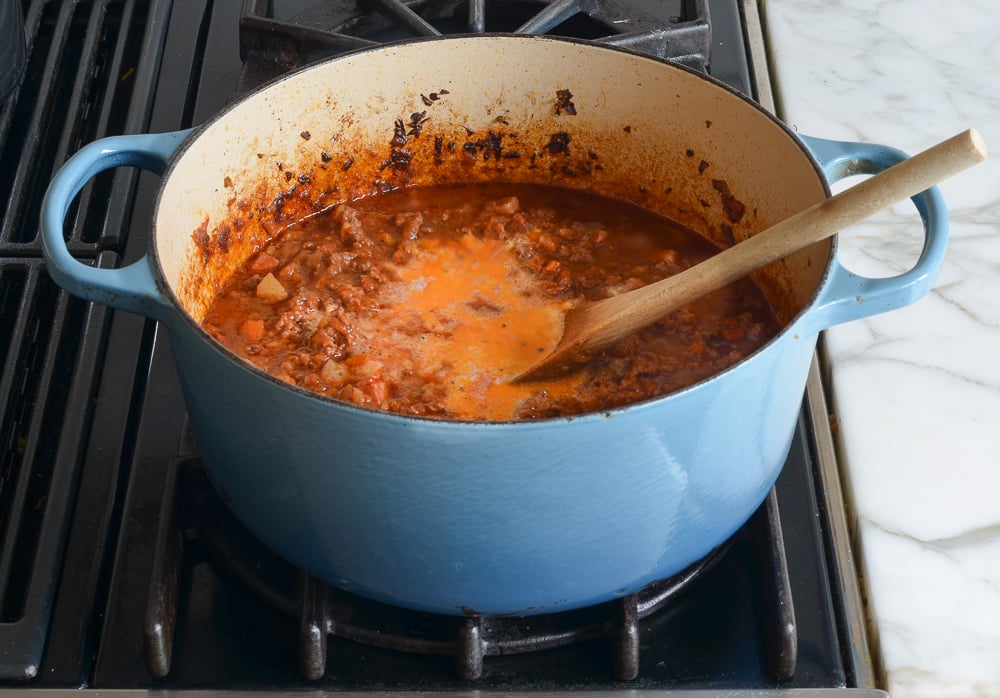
(916, 392)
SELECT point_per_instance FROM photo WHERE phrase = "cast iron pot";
(490, 518)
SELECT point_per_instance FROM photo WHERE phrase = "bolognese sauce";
(426, 301)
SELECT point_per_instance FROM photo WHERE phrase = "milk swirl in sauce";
(426, 301)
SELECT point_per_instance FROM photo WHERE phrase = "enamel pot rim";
(182, 317)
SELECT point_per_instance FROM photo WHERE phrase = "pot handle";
(134, 287)
(848, 296)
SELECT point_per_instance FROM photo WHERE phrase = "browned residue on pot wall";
(424, 146)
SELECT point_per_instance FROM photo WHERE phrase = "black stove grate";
(193, 514)
(51, 346)
(278, 37)
(86, 64)
(83, 70)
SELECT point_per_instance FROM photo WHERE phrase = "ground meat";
(376, 302)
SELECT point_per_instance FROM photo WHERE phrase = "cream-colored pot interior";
(527, 109)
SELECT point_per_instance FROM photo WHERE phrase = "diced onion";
(270, 289)
(333, 372)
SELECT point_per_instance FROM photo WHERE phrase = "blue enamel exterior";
(133, 288)
(848, 296)
(514, 518)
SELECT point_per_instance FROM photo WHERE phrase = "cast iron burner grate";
(279, 35)
(82, 79)
(193, 514)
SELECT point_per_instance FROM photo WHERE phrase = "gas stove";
(120, 567)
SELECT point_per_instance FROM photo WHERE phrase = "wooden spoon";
(592, 326)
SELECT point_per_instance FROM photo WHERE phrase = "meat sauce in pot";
(425, 301)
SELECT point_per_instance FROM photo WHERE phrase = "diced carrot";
(734, 333)
(263, 263)
(698, 347)
(252, 329)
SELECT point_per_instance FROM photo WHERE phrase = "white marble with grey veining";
(917, 391)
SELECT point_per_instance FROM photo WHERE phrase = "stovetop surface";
(714, 636)
(94, 424)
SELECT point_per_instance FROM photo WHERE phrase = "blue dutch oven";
(490, 518)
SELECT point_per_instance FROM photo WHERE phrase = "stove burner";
(275, 39)
(192, 513)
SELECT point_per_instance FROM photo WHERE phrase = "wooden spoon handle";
(593, 326)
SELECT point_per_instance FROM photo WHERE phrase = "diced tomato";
(375, 389)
